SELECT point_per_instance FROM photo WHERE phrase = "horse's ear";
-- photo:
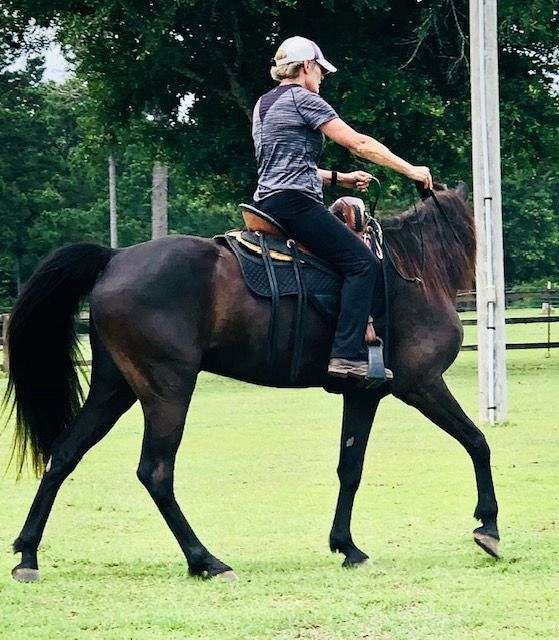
(462, 190)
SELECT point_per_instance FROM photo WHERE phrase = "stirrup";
(377, 373)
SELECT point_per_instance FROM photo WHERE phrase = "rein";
(445, 215)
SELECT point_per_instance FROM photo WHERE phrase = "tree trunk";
(5, 346)
(113, 216)
(159, 200)
(17, 272)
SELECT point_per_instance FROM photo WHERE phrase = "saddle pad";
(323, 284)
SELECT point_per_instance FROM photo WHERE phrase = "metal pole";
(486, 159)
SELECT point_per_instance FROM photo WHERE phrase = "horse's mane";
(441, 250)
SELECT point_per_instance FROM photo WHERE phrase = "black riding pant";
(311, 224)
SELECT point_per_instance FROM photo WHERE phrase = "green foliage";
(45, 195)
(530, 224)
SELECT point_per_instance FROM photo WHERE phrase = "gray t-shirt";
(287, 141)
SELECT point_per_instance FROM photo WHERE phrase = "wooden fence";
(466, 300)
(547, 299)
(468, 322)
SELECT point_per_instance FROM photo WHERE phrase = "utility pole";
(159, 225)
(486, 158)
(113, 216)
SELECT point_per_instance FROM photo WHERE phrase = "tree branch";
(462, 43)
(238, 41)
(236, 93)
(422, 31)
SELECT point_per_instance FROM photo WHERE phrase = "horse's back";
(157, 272)
(156, 288)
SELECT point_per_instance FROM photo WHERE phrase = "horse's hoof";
(24, 574)
(488, 543)
(227, 576)
(347, 564)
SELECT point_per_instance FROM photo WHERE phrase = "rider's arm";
(366, 147)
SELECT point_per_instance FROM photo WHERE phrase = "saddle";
(273, 265)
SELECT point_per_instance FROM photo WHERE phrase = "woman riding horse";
(162, 311)
(288, 128)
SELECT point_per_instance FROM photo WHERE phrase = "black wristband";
(334, 178)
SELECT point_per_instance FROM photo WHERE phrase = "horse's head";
(453, 201)
(442, 230)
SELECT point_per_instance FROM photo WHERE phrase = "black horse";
(164, 310)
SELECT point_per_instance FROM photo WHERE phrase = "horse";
(164, 310)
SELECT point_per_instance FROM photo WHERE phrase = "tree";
(403, 78)
(24, 163)
(113, 215)
(44, 192)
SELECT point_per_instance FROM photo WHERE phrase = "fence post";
(548, 319)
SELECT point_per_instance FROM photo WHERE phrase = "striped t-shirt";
(287, 140)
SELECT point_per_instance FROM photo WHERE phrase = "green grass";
(256, 477)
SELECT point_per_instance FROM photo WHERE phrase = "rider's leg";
(313, 225)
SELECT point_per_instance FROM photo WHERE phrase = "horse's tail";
(43, 385)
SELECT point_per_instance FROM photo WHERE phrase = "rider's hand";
(423, 175)
(359, 179)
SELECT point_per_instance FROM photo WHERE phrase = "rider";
(288, 128)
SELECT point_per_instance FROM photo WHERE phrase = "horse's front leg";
(436, 402)
(359, 411)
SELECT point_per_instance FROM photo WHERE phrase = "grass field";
(256, 477)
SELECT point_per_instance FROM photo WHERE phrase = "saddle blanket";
(321, 282)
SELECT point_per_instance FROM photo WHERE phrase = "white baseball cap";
(298, 49)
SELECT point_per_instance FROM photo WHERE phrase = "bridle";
(373, 224)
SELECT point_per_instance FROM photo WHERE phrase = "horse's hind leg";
(165, 413)
(109, 397)
(437, 403)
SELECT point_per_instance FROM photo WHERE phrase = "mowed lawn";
(256, 476)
